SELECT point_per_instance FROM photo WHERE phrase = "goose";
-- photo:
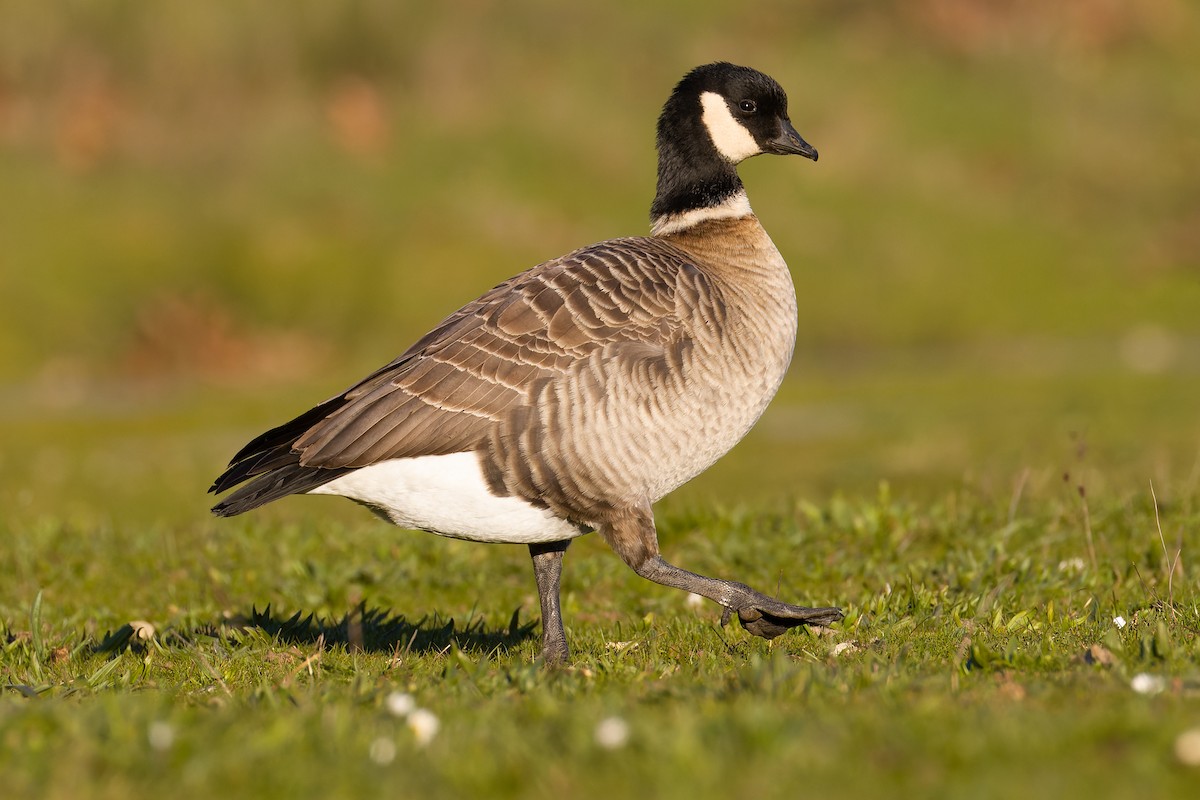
(572, 397)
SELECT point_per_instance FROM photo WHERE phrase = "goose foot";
(759, 614)
(768, 617)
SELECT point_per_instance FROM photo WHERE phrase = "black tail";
(279, 482)
(272, 467)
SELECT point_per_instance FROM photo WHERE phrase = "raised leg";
(547, 570)
(761, 615)
(631, 534)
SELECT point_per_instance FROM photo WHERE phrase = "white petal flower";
(1145, 683)
(1119, 622)
(1187, 747)
(424, 724)
(612, 733)
(382, 751)
(400, 704)
(161, 735)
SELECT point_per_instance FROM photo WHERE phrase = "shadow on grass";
(378, 630)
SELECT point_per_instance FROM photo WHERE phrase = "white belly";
(448, 495)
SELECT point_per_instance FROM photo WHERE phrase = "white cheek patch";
(729, 136)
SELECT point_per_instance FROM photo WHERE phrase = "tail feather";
(279, 482)
(272, 467)
(285, 435)
(260, 464)
(269, 465)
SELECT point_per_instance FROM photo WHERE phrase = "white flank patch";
(733, 207)
(448, 495)
(729, 136)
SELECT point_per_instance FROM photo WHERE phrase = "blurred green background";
(213, 215)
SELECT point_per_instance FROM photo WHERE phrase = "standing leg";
(547, 569)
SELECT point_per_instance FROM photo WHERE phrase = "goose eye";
(748, 106)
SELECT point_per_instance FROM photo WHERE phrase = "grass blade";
(35, 637)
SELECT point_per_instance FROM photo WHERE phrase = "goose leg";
(547, 570)
(632, 535)
(761, 615)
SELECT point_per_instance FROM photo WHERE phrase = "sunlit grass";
(971, 639)
(987, 452)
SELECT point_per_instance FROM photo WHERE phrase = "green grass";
(968, 628)
(217, 214)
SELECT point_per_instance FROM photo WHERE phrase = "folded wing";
(478, 368)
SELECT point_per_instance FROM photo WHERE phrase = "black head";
(742, 112)
(719, 115)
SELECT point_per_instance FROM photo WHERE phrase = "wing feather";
(480, 366)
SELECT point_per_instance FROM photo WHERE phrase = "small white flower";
(141, 631)
(424, 724)
(612, 733)
(382, 751)
(1187, 747)
(400, 704)
(161, 736)
(842, 647)
(694, 600)
(1145, 683)
(1071, 565)
(1119, 622)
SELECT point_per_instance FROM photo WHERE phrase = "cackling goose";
(572, 397)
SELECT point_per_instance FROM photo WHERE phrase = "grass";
(987, 452)
(973, 641)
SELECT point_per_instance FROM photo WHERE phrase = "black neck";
(691, 174)
(678, 193)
